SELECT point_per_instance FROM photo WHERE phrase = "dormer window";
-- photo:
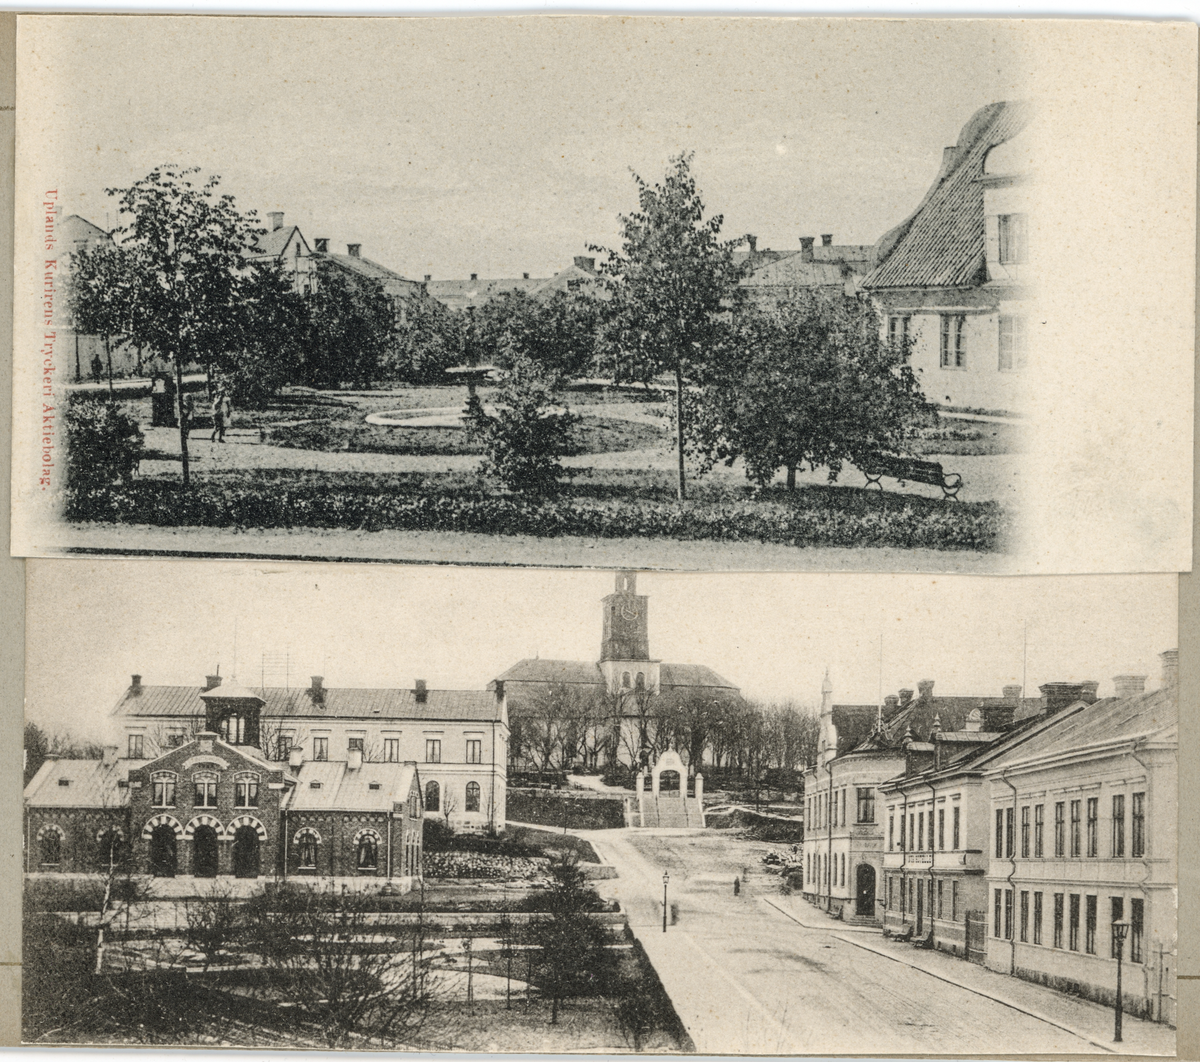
(314, 785)
(375, 785)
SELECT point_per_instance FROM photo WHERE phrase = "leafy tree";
(273, 327)
(526, 437)
(104, 445)
(811, 382)
(353, 329)
(100, 295)
(187, 250)
(556, 333)
(573, 957)
(673, 284)
(427, 343)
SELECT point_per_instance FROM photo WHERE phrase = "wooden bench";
(910, 469)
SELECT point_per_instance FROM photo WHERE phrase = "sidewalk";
(1081, 1017)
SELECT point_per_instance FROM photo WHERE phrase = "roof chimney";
(1012, 694)
(925, 689)
(997, 717)
(296, 757)
(806, 248)
(752, 242)
(211, 682)
(588, 265)
(1170, 667)
(317, 689)
(429, 277)
(905, 697)
(890, 701)
(1128, 685)
(524, 276)
(1089, 689)
(1058, 695)
(499, 691)
(354, 250)
(827, 240)
(206, 739)
(321, 243)
(420, 692)
(354, 759)
(276, 217)
(135, 683)
(474, 276)
(109, 756)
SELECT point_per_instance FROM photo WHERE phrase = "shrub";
(104, 445)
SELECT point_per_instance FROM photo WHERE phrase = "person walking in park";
(220, 412)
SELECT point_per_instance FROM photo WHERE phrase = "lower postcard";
(328, 806)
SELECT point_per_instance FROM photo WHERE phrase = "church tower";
(625, 646)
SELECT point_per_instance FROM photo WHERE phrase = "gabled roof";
(73, 229)
(90, 784)
(942, 243)
(446, 705)
(684, 675)
(371, 270)
(272, 244)
(341, 789)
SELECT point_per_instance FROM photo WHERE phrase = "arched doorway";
(668, 782)
(204, 852)
(864, 891)
(246, 852)
(162, 851)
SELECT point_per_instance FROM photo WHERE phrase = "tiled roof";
(1154, 714)
(858, 255)
(941, 243)
(90, 784)
(447, 705)
(794, 271)
(341, 789)
(579, 672)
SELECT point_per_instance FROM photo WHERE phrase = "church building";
(626, 693)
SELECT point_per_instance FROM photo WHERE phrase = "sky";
(93, 624)
(450, 147)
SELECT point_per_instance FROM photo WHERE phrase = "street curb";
(986, 995)
(839, 928)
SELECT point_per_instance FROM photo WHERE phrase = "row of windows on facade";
(390, 748)
(433, 797)
(1076, 836)
(164, 785)
(366, 849)
(1067, 908)
(109, 847)
(1013, 351)
(829, 809)
(818, 868)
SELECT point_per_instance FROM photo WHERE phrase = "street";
(763, 973)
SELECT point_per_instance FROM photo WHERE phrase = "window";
(1038, 824)
(367, 852)
(283, 744)
(1008, 914)
(1118, 824)
(891, 900)
(940, 912)
(1058, 919)
(626, 680)
(891, 832)
(1037, 917)
(1013, 346)
(953, 341)
(1012, 238)
(245, 788)
(997, 907)
(1025, 832)
(1075, 810)
(955, 816)
(912, 830)
(1137, 822)
(206, 790)
(842, 818)
(954, 897)
(306, 848)
(320, 748)
(899, 331)
(1093, 820)
(391, 750)
(433, 750)
(1024, 916)
(472, 796)
(1118, 911)
(50, 848)
(354, 744)
(433, 795)
(639, 683)
(902, 837)
(474, 750)
(162, 789)
(999, 832)
(1059, 833)
(866, 805)
(1073, 929)
(233, 729)
(921, 831)
(1008, 832)
(1089, 939)
(941, 828)
(135, 746)
(1136, 922)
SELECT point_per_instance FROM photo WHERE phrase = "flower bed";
(483, 865)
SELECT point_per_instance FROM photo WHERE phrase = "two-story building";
(1084, 820)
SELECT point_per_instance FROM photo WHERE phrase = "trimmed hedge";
(811, 517)
(560, 809)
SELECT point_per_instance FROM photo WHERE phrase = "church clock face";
(629, 613)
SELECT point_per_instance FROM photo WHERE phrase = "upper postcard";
(674, 293)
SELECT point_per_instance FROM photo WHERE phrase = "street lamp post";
(1119, 928)
(666, 878)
